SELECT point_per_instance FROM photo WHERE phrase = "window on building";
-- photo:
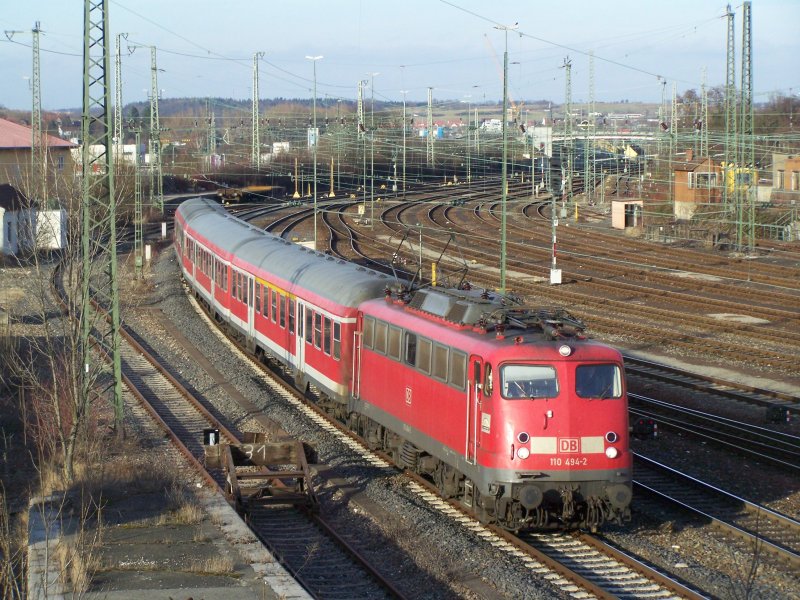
(780, 184)
(795, 181)
(705, 180)
(60, 163)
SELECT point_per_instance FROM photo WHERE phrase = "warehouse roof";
(13, 135)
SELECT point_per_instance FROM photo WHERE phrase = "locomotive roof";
(335, 280)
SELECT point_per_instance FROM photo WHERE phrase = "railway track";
(761, 528)
(184, 417)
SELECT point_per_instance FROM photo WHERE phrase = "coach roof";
(339, 281)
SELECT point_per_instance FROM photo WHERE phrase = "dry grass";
(216, 565)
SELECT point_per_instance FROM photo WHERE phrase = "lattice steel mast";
(730, 108)
(745, 184)
(255, 146)
(38, 144)
(98, 208)
(118, 130)
(429, 145)
(567, 150)
(156, 175)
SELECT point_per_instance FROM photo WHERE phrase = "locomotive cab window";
(528, 381)
(488, 380)
(598, 381)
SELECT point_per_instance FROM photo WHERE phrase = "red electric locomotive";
(508, 408)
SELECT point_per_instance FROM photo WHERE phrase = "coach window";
(283, 310)
(317, 330)
(395, 342)
(309, 325)
(440, 362)
(458, 369)
(488, 380)
(326, 336)
(274, 295)
(424, 355)
(290, 302)
(380, 336)
(337, 340)
(258, 297)
(369, 329)
(411, 348)
(250, 291)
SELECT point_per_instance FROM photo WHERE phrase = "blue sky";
(206, 48)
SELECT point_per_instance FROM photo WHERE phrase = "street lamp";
(503, 183)
(313, 137)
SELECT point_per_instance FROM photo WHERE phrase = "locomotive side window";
(317, 330)
(440, 362)
(598, 381)
(309, 325)
(424, 355)
(258, 297)
(488, 380)
(395, 342)
(369, 329)
(326, 336)
(337, 340)
(411, 348)
(457, 375)
(529, 381)
(379, 343)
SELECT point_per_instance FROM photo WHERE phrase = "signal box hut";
(696, 181)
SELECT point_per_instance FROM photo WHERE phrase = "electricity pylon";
(98, 209)
(156, 175)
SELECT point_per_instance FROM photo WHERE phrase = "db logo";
(567, 444)
(408, 395)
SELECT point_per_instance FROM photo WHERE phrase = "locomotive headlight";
(564, 350)
(523, 453)
(523, 437)
(611, 437)
(612, 452)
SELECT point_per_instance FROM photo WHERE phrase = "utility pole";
(730, 113)
(404, 92)
(313, 140)
(372, 152)
(430, 128)
(589, 165)
(503, 177)
(469, 139)
(98, 207)
(138, 220)
(745, 177)
(567, 150)
(673, 137)
(38, 143)
(704, 119)
(156, 176)
(362, 129)
(118, 132)
(255, 143)
(211, 134)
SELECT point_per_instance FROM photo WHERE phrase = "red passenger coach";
(506, 407)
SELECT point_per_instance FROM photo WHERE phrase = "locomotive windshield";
(598, 381)
(529, 381)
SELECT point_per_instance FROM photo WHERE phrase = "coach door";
(473, 407)
(300, 347)
(250, 310)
